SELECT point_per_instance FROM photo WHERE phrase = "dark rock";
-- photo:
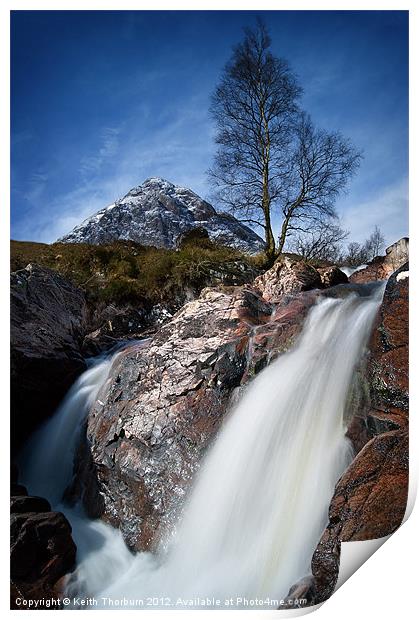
(332, 276)
(301, 594)
(370, 499)
(25, 503)
(48, 319)
(42, 551)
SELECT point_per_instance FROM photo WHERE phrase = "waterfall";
(46, 465)
(259, 502)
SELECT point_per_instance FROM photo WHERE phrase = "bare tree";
(322, 164)
(269, 154)
(322, 243)
(360, 254)
(253, 107)
(374, 244)
(355, 254)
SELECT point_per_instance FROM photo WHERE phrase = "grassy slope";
(128, 272)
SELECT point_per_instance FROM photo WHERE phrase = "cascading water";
(260, 500)
(46, 465)
(351, 270)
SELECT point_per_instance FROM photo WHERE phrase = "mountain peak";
(156, 213)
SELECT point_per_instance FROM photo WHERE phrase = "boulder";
(42, 550)
(287, 276)
(332, 276)
(48, 320)
(166, 400)
(369, 502)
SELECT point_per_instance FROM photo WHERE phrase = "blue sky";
(103, 100)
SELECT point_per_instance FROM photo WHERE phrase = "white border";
(385, 586)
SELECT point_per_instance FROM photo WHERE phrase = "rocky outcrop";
(157, 213)
(287, 276)
(42, 550)
(381, 267)
(166, 400)
(369, 502)
(370, 499)
(48, 321)
(386, 374)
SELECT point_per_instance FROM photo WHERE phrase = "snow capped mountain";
(156, 213)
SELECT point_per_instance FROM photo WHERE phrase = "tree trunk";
(283, 235)
(266, 205)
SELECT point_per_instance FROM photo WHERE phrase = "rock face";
(370, 498)
(369, 502)
(388, 372)
(48, 319)
(382, 267)
(287, 276)
(157, 213)
(166, 400)
(42, 550)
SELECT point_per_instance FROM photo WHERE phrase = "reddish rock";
(370, 499)
(387, 372)
(369, 502)
(381, 267)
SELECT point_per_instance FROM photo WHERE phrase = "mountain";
(156, 213)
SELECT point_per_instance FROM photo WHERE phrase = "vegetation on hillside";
(124, 271)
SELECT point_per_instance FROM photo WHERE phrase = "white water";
(350, 270)
(259, 504)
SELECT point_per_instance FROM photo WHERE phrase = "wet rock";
(387, 372)
(370, 499)
(301, 594)
(48, 319)
(42, 550)
(285, 277)
(22, 503)
(166, 400)
(369, 502)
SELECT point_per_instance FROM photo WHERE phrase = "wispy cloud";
(388, 209)
(36, 187)
(109, 144)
